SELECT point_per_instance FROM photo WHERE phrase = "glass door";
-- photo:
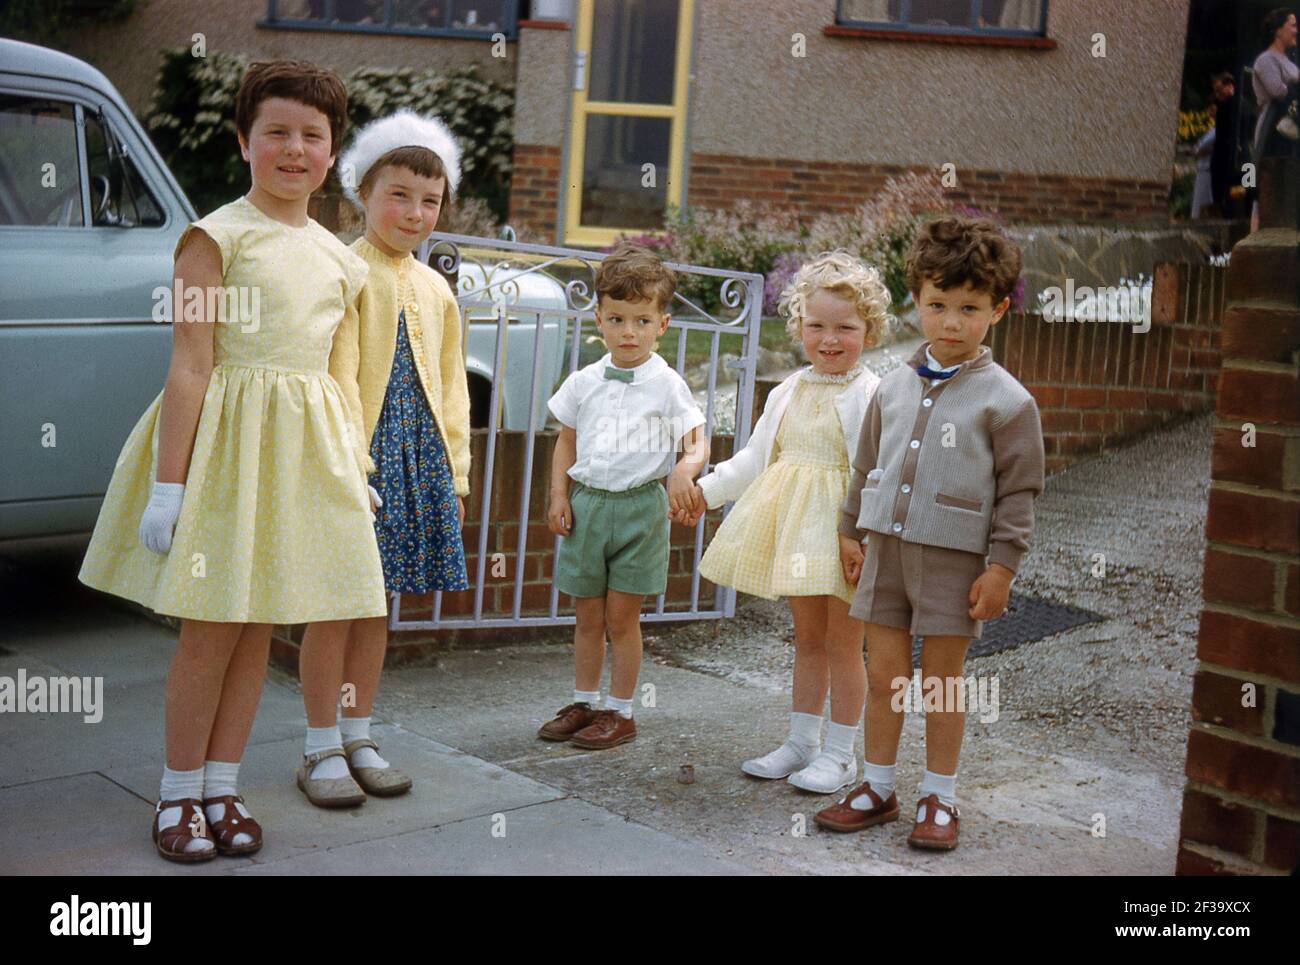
(626, 139)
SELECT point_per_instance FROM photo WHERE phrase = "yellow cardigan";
(363, 360)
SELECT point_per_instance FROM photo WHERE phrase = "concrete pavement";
(77, 797)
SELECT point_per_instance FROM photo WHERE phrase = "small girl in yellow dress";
(780, 539)
(239, 499)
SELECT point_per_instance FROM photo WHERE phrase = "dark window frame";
(510, 10)
(904, 26)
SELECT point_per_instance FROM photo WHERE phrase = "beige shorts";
(924, 589)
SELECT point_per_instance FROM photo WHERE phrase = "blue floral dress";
(418, 528)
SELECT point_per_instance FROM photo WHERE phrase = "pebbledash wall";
(1040, 134)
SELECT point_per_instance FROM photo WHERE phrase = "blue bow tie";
(925, 372)
(622, 375)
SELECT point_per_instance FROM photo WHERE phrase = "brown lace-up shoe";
(567, 722)
(845, 817)
(930, 834)
(608, 728)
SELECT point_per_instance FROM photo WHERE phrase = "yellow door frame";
(574, 232)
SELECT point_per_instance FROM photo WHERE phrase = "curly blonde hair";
(839, 273)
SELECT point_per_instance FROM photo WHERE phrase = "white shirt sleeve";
(564, 404)
(684, 407)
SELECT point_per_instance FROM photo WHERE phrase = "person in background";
(1274, 74)
(1202, 194)
(1223, 156)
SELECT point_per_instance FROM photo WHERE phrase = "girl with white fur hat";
(412, 410)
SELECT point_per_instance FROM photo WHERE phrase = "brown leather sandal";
(232, 823)
(171, 841)
(844, 817)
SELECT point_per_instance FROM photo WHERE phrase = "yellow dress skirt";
(275, 522)
(781, 537)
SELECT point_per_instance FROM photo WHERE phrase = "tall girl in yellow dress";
(780, 539)
(239, 500)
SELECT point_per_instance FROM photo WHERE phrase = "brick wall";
(815, 187)
(1241, 804)
(1099, 383)
(534, 190)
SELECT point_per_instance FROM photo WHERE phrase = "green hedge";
(192, 121)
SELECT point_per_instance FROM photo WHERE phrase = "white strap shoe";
(782, 762)
(826, 775)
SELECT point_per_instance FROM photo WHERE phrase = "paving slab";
(1023, 803)
(562, 837)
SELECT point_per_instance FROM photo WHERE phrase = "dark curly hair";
(632, 272)
(950, 252)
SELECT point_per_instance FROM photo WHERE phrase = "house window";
(993, 17)
(428, 18)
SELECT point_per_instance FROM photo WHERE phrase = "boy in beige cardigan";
(949, 462)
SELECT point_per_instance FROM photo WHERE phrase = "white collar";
(810, 374)
(651, 368)
(933, 363)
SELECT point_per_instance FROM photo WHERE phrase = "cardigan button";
(898, 527)
(906, 488)
(927, 402)
(915, 444)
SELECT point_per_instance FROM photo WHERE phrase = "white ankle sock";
(219, 779)
(181, 784)
(944, 785)
(881, 779)
(358, 728)
(806, 731)
(840, 740)
(589, 697)
(323, 739)
(175, 786)
(624, 707)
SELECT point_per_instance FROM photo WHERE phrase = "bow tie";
(925, 372)
(622, 375)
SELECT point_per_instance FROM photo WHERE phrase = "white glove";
(375, 501)
(158, 520)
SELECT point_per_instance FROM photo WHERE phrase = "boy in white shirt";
(622, 419)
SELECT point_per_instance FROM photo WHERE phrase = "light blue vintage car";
(89, 215)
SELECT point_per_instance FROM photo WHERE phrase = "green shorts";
(619, 541)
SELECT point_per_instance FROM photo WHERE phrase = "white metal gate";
(526, 311)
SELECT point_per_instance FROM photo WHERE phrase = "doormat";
(1028, 619)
